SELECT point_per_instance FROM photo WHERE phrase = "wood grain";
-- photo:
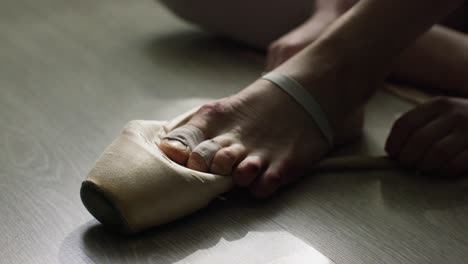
(72, 73)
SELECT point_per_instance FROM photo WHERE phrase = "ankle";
(340, 88)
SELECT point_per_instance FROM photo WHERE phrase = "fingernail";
(175, 144)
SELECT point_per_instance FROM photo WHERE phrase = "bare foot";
(261, 137)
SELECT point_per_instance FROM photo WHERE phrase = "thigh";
(253, 22)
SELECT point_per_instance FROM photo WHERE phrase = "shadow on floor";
(229, 218)
(295, 210)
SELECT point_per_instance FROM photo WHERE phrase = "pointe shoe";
(134, 186)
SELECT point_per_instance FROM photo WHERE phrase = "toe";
(248, 170)
(266, 184)
(179, 142)
(202, 155)
(175, 150)
(198, 163)
(226, 158)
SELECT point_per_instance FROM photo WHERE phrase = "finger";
(275, 59)
(408, 124)
(286, 54)
(421, 141)
(282, 57)
(270, 62)
(443, 151)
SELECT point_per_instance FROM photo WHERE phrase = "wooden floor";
(72, 73)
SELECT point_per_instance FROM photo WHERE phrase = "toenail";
(175, 144)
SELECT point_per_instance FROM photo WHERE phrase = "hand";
(433, 137)
(288, 45)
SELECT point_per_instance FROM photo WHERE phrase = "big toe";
(178, 143)
(175, 150)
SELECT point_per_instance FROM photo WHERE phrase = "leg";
(256, 23)
(438, 59)
(263, 138)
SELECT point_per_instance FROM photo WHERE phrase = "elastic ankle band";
(296, 91)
